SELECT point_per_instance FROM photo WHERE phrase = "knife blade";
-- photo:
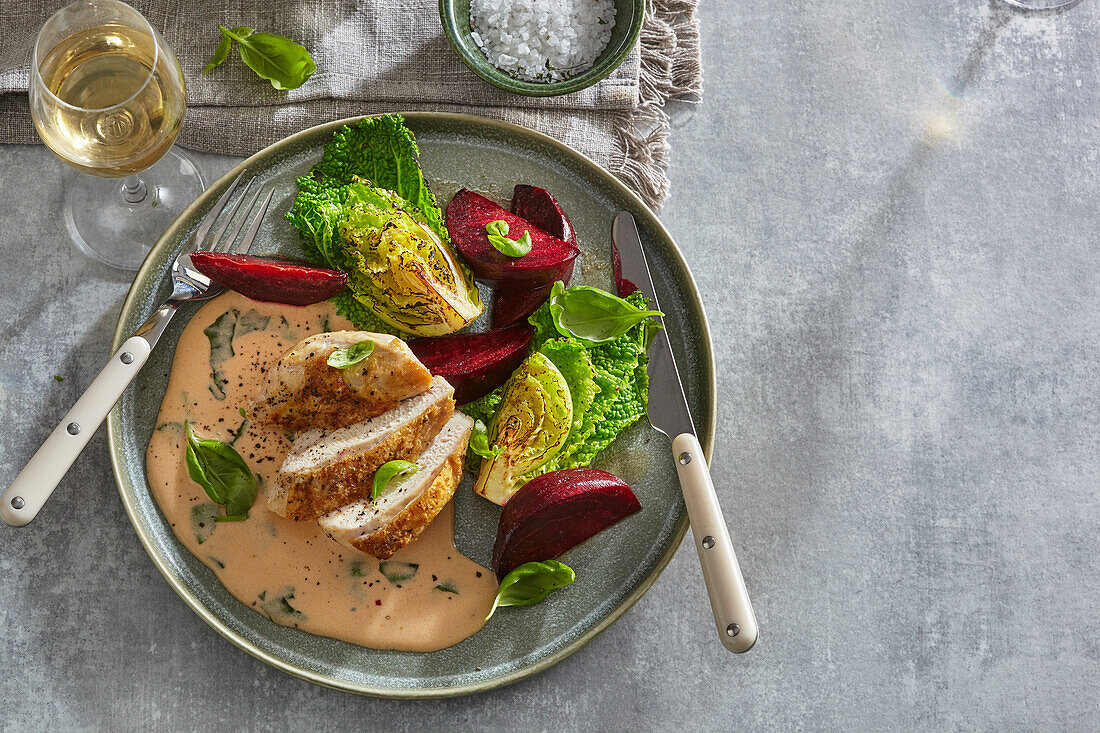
(668, 412)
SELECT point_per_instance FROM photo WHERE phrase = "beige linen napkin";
(380, 56)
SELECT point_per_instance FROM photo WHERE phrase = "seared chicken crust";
(328, 469)
(302, 391)
(399, 516)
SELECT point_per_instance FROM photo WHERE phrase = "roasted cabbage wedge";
(401, 269)
(530, 427)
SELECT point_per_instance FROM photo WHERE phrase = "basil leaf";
(387, 473)
(508, 247)
(398, 572)
(221, 53)
(593, 316)
(223, 474)
(349, 357)
(530, 583)
(447, 586)
(479, 442)
(286, 64)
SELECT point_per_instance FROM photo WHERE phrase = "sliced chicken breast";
(412, 502)
(327, 469)
(302, 391)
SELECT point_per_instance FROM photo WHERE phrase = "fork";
(38, 479)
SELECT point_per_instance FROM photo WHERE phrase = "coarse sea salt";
(542, 40)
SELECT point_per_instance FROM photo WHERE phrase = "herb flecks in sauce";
(278, 608)
(202, 520)
(398, 572)
(220, 333)
(251, 321)
(267, 552)
(240, 428)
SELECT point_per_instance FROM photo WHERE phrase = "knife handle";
(729, 598)
(36, 482)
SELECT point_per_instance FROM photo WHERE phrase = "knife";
(668, 413)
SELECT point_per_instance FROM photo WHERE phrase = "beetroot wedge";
(556, 512)
(550, 258)
(539, 207)
(513, 305)
(475, 363)
(270, 280)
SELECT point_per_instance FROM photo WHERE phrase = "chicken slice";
(303, 391)
(326, 469)
(399, 516)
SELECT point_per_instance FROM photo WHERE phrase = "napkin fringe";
(643, 164)
(670, 70)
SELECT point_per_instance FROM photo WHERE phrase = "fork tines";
(220, 242)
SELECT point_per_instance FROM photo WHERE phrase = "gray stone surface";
(890, 206)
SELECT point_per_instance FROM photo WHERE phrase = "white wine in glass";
(107, 97)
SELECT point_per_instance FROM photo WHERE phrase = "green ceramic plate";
(613, 570)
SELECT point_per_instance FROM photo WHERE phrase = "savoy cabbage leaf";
(383, 151)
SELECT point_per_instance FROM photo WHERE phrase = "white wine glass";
(107, 97)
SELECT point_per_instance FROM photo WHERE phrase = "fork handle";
(729, 599)
(38, 479)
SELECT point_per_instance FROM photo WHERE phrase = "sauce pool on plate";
(427, 597)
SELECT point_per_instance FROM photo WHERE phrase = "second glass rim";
(1053, 7)
(37, 69)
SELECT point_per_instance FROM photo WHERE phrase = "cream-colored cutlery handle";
(34, 484)
(729, 599)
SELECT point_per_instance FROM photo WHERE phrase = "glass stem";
(134, 190)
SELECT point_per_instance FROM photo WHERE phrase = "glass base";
(117, 220)
(1042, 4)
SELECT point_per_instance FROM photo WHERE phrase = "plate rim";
(114, 419)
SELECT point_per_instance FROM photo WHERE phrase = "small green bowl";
(455, 16)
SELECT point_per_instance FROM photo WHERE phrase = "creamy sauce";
(289, 571)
